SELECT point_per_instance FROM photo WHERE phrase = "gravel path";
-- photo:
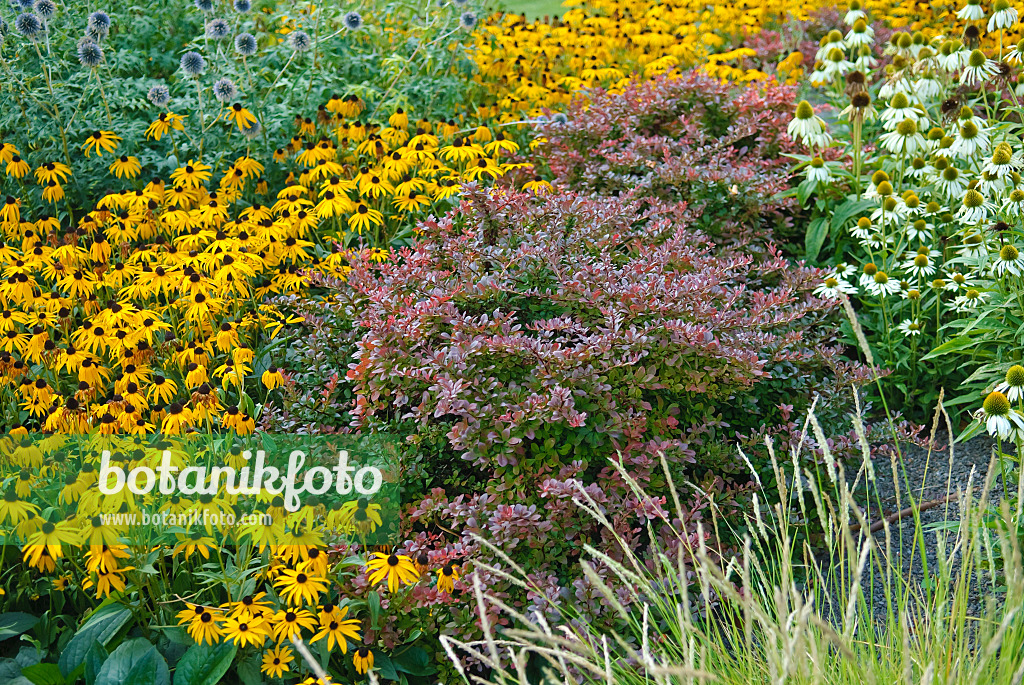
(938, 477)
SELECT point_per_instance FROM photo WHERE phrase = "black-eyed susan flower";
(240, 116)
(338, 630)
(396, 569)
(100, 142)
(204, 627)
(17, 167)
(446, 578)
(276, 661)
(298, 587)
(289, 623)
(192, 175)
(126, 166)
(362, 659)
(52, 171)
(244, 632)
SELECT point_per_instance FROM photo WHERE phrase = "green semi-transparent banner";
(199, 491)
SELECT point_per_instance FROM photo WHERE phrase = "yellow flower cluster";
(528, 66)
(149, 312)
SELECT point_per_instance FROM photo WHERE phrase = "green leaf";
(43, 674)
(134, 662)
(384, 665)
(849, 209)
(15, 623)
(412, 660)
(94, 659)
(101, 627)
(804, 190)
(817, 231)
(954, 345)
(205, 664)
(248, 670)
(373, 602)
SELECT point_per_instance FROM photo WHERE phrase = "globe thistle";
(100, 19)
(45, 9)
(193, 64)
(467, 20)
(224, 90)
(203, 5)
(24, 5)
(28, 25)
(97, 34)
(460, 3)
(353, 21)
(89, 53)
(218, 29)
(252, 130)
(243, 6)
(560, 119)
(245, 44)
(159, 95)
(300, 41)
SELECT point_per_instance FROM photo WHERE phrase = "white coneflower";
(920, 230)
(899, 84)
(929, 86)
(882, 286)
(953, 55)
(817, 171)
(1000, 418)
(832, 287)
(919, 266)
(974, 208)
(899, 109)
(993, 186)
(906, 138)
(843, 270)
(1004, 16)
(1016, 55)
(957, 282)
(808, 128)
(978, 70)
(867, 274)
(1013, 386)
(970, 139)
(951, 183)
(860, 34)
(1003, 161)
(854, 13)
(920, 168)
(912, 205)
(865, 59)
(836, 64)
(1008, 261)
(910, 327)
(1014, 205)
(971, 11)
(969, 300)
(834, 39)
(893, 211)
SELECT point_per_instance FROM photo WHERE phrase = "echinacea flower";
(972, 11)
(974, 208)
(1000, 418)
(905, 138)
(978, 70)
(1013, 384)
(854, 13)
(910, 327)
(1004, 16)
(1009, 261)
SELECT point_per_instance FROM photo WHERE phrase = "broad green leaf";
(15, 623)
(955, 345)
(101, 627)
(412, 660)
(817, 231)
(849, 209)
(205, 664)
(43, 674)
(94, 659)
(134, 662)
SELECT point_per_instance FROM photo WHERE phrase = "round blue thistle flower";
(560, 119)
(97, 34)
(203, 5)
(467, 20)
(252, 131)
(353, 21)
(300, 41)
(46, 9)
(25, 5)
(100, 19)
(243, 6)
(28, 25)
(218, 29)
(159, 95)
(193, 64)
(246, 45)
(224, 90)
(89, 54)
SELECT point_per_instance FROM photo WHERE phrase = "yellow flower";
(245, 632)
(192, 175)
(276, 661)
(52, 171)
(446, 578)
(362, 659)
(17, 167)
(298, 587)
(241, 117)
(125, 167)
(396, 569)
(100, 142)
(164, 124)
(204, 628)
